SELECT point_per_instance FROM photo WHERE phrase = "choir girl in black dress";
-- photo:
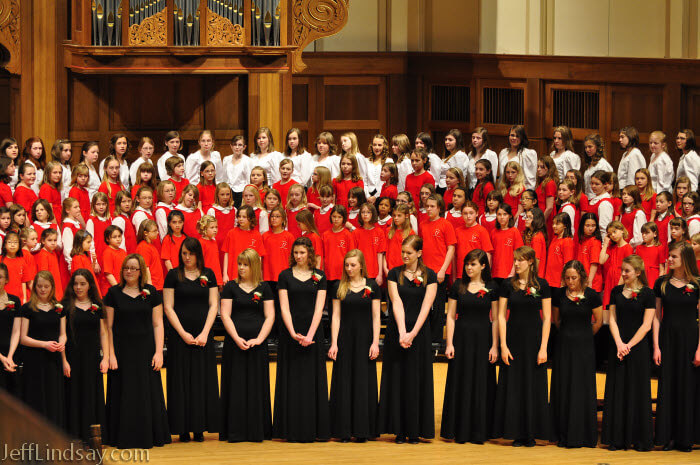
(136, 415)
(43, 335)
(301, 411)
(677, 351)
(472, 350)
(573, 397)
(10, 325)
(627, 418)
(191, 302)
(87, 337)
(406, 403)
(248, 314)
(354, 350)
(522, 407)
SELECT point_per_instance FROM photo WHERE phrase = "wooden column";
(43, 87)
(270, 105)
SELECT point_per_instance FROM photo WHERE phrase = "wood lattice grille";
(504, 106)
(575, 108)
(450, 103)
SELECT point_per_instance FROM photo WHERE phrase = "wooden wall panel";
(5, 101)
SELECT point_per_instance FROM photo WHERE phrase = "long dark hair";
(194, 247)
(69, 297)
(5, 163)
(483, 259)
(171, 215)
(582, 223)
(579, 268)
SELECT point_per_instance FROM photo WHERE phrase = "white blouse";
(404, 169)
(458, 160)
(565, 162)
(123, 172)
(160, 165)
(135, 167)
(602, 165)
(629, 164)
(470, 175)
(94, 182)
(661, 170)
(195, 160)
(373, 181)
(270, 162)
(65, 180)
(527, 159)
(689, 165)
(237, 176)
(303, 168)
(332, 162)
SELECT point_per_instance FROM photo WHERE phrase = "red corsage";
(577, 299)
(58, 308)
(10, 305)
(257, 296)
(368, 292)
(418, 281)
(532, 292)
(94, 308)
(145, 293)
(316, 278)
(203, 281)
(633, 295)
(482, 292)
(688, 289)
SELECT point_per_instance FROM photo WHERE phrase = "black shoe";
(457, 441)
(642, 449)
(344, 440)
(413, 440)
(612, 448)
(561, 444)
(185, 437)
(477, 442)
(517, 443)
(199, 437)
(400, 439)
(529, 443)
(684, 448)
(360, 440)
(670, 445)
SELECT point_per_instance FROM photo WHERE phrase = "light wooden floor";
(385, 451)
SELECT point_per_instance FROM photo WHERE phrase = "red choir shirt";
(135, 190)
(543, 193)
(422, 217)
(25, 197)
(455, 218)
(191, 219)
(437, 236)
(679, 209)
(83, 197)
(111, 193)
(113, 262)
(152, 258)
(312, 196)
(31, 264)
(179, 187)
(51, 194)
(662, 225)
(648, 206)
(413, 183)
(627, 220)
(588, 253)
(612, 268)
(129, 233)
(170, 249)
(513, 201)
(393, 248)
(561, 250)
(488, 221)
(447, 196)
(389, 190)
(316, 242)
(292, 225)
(504, 241)
(468, 239)
(577, 215)
(237, 240)
(82, 262)
(385, 223)
(341, 189)
(226, 221)
(5, 194)
(17, 273)
(206, 195)
(354, 217)
(41, 227)
(371, 242)
(617, 205)
(283, 189)
(98, 226)
(211, 258)
(653, 257)
(583, 203)
(322, 218)
(48, 261)
(539, 245)
(335, 246)
(278, 249)
(480, 193)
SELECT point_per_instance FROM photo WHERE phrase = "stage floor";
(385, 451)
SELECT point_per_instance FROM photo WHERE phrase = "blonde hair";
(79, 169)
(47, 175)
(251, 258)
(105, 177)
(256, 193)
(34, 299)
(406, 228)
(526, 253)
(303, 201)
(354, 146)
(96, 198)
(619, 226)
(662, 138)
(344, 284)
(636, 262)
(324, 177)
(648, 192)
(161, 189)
(355, 173)
(203, 223)
(404, 144)
(518, 185)
(190, 188)
(220, 187)
(69, 202)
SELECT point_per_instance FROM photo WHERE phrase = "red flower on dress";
(482, 292)
(418, 281)
(145, 293)
(94, 308)
(256, 297)
(531, 291)
(203, 281)
(633, 295)
(58, 308)
(316, 278)
(10, 305)
(688, 289)
(368, 292)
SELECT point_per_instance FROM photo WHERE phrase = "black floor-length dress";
(85, 387)
(678, 404)
(573, 397)
(522, 406)
(245, 374)
(192, 380)
(406, 403)
(627, 417)
(136, 415)
(301, 412)
(470, 387)
(44, 386)
(353, 400)
(10, 381)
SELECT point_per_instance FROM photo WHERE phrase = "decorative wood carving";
(313, 19)
(9, 33)
(220, 31)
(151, 31)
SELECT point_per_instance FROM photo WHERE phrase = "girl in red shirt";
(336, 243)
(642, 179)
(320, 177)
(170, 248)
(29, 239)
(47, 258)
(24, 195)
(114, 255)
(546, 189)
(535, 236)
(566, 203)
(348, 178)
(225, 213)
(505, 239)
(322, 215)
(528, 201)
(175, 168)
(18, 217)
(273, 199)
(371, 240)
(664, 214)
(307, 225)
(80, 253)
(251, 198)
(96, 224)
(454, 215)
(278, 247)
(79, 189)
(632, 217)
(51, 188)
(208, 229)
(147, 235)
(587, 250)
(512, 186)
(145, 176)
(207, 185)
(471, 236)
(485, 183)
(399, 230)
(122, 219)
(488, 218)
(7, 172)
(188, 205)
(682, 188)
(286, 181)
(258, 179)
(613, 188)
(111, 183)
(652, 252)
(615, 249)
(561, 249)
(579, 198)
(454, 179)
(18, 275)
(420, 177)
(390, 178)
(69, 228)
(385, 206)
(244, 236)
(356, 197)
(296, 202)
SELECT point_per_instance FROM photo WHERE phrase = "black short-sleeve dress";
(191, 378)
(470, 387)
(9, 381)
(301, 411)
(353, 400)
(136, 415)
(245, 374)
(406, 402)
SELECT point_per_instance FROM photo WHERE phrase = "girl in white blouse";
(326, 154)
(660, 164)
(521, 154)
(378, 156)
(237, 169)
(301, 159)
(632, 159)
(401, 149)
(563, 151)
(265, 155)
(423, 140)
(206, 152)
(479, 149)
(454, 156)
(594, 149)
(173, 143)
(119, 147)
(689, 163)
(89, 155)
